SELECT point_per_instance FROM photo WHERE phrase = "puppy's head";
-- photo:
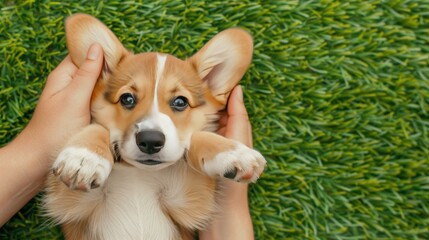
(152, 102)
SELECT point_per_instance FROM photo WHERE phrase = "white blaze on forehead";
(159, 70)
(152, 121)
(173, 147)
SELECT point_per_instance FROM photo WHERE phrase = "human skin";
(234, 220)
(64, 108)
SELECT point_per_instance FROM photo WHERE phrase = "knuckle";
(84, 72)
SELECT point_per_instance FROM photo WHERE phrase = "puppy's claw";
(241, 164)
(231, 173)
(94, 184)
(57, 170)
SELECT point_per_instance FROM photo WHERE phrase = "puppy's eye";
(179, 103)
(128, 100)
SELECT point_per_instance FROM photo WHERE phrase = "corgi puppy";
(148, 165)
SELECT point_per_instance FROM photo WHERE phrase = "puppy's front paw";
(241, 164)
(82, 169)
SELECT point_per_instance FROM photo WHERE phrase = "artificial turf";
(338, 95)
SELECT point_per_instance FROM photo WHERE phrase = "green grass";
(338, 95)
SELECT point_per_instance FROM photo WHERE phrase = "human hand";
(64, 105)
(233, 221)
(62, 110)
(235, 123)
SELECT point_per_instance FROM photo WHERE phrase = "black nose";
(150, 142)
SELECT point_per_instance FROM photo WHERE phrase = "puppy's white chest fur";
(136, 203)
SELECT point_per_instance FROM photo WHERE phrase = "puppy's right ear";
(82, 31)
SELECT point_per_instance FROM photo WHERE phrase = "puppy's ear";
(82, 31)
(223, 61)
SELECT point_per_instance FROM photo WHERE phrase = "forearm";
(234, 220)
(23, 167)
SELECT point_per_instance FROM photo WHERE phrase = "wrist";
(233, 220)
(233, 199)
(31, 147)
(25, 165)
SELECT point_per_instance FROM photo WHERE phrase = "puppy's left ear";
(223, 61)
(82, 31)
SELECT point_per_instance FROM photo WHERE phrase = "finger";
(222, 125)
(238, 121)
(236, 104)
(223, 120)
(61, 76)
(249, 135)
(66, 65)
(87, 75)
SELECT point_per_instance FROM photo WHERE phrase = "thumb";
(238, 122)
(87, 74)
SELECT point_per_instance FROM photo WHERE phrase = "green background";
(337, 94)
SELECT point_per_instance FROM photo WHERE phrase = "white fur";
(245, 159)
(129, 206)
(131, 209)
(161, 59)
(81, 167)
(170, 153)
(173, 150)
(115, 134)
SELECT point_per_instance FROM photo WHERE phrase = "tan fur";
(95, 138)
(205, 147)
(82, 24)
(206, 79)
(76, 230)
(124, 78)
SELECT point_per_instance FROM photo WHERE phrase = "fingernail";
(94, 51)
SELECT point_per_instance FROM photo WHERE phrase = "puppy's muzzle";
(150, 141)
